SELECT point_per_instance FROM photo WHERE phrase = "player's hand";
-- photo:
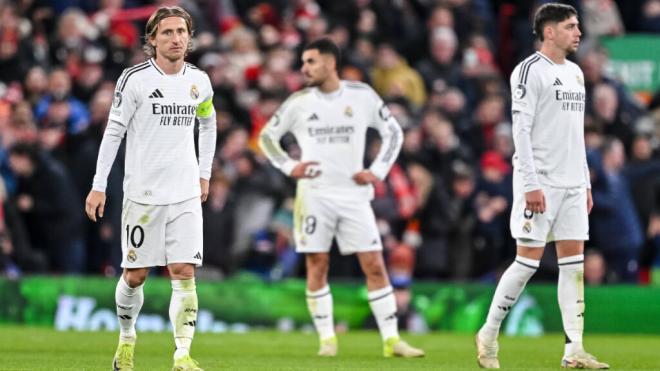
(590, 201)
(307, 169)
(365, 177)
(535, 201)
(204, 186)
(95, 201)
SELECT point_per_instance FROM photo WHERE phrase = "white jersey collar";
(545, 57)
(182, 71)
(332, 95)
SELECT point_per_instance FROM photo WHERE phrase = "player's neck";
(168, 66)
(330, 85)
(555, 54)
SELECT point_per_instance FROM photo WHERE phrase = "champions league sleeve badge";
(194, 93)
(384, 112)
(520, 91)
(116, 100)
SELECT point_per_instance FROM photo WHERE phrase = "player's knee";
(374, 268)
(318, 263)
(181, 271)
(318, 272)
(135, 278)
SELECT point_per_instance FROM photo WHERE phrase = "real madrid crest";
(528, 215)
(348, 111)
(579, 80)
(194, 93)
(131, 256)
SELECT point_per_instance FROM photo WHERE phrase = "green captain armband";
(205, 109)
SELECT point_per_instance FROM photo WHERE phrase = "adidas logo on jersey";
(197, 256)
(313, 117)
(156, 94)
(557, 82)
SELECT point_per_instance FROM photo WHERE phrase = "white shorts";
(158, 235)
(318, 219)
(565, 217)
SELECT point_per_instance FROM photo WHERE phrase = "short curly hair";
(551, 12)
(151, 28)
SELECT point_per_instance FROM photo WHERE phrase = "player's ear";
(330, 62)
(152, 37)
(549, 30)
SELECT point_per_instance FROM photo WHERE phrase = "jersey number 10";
(135, 235)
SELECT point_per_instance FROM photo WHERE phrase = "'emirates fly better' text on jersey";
(158, 112)
(331, 130)
(554, 95)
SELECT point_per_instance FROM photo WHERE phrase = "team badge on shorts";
(528, 215)
(194, 93)
(131, 256)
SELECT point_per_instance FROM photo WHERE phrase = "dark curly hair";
(551, 12)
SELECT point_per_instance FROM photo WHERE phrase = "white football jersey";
(331, 130)
(158, 111)
(553, 94)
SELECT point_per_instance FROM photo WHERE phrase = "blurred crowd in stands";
(442, 66)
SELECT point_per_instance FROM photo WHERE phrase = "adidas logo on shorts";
(198, 256)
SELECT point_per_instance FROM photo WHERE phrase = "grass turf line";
(25, 348)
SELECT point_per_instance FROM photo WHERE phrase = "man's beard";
(312, 83)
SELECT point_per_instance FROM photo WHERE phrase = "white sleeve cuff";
(288, 166)
(99, 186)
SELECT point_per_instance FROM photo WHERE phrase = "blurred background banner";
(635, 60)
(246, 302)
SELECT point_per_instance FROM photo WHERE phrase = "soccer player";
(155, 105)
(551, 187)
(329, 120)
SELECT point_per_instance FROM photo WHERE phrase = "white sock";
(570, 295)
(383, 306)
(129, 302)
(319, 303)
(508, 290)
(183, 314)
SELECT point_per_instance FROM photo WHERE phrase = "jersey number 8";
(309, 224)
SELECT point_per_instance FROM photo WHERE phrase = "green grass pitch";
(46, 349)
